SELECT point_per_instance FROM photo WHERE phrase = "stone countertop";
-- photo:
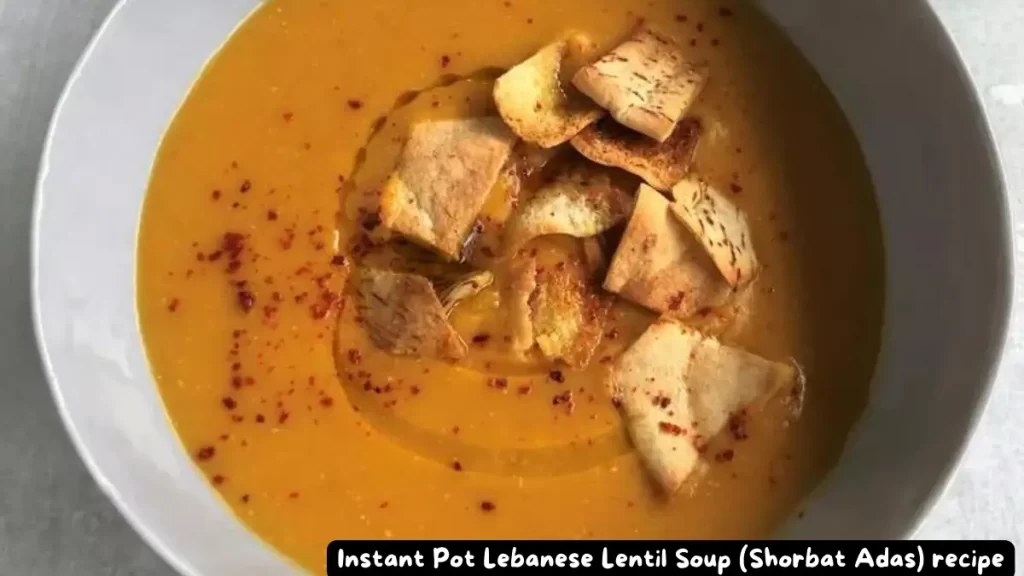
(55, 522)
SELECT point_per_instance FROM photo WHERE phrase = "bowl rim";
(1005, 304)
(987, 381)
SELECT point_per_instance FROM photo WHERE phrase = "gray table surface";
(55, 522)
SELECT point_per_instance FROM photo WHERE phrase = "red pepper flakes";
(215, 195)
(456, 465)
(287, 116)
(354, 356)
(487, 506)
(237, 419)
(481, 338)
(288, 239)
(245, 498)
(556, 376)
(524, 390)
(445, 61)
(670, 428)
(725, 12)
(327, 402)
(681, 18)
(229, 403)
(214, 256)
(715, 42)
(612, 334)
(355, 104)
(564, 398)
(498, 383)
(736, 188)
(260, 419)
(456, 430)
(693, 42)
(415, 390)
(529, 20)
(700, 26)
(218, 480)
(617, 402)
(173, 306)
(339, 260)
(246, 300)
(246, 186)
(294, 495)
(662, 401)
(725, 456)
(606, 359)
(383, 504)
(738, 425)
(233, 266)
(271, 215)
(205, 453)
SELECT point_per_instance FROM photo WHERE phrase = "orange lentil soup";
(255, 219)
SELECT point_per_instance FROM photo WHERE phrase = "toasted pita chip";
(521, 286)
(720, 227)
(444, 175)
(679, 389)
(660, 164)
(646, 83)
(568, 317)
(580, 203)
(403, 316)
(533, 101)
(658, 264)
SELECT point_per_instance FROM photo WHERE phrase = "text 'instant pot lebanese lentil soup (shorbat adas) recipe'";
(510, 269)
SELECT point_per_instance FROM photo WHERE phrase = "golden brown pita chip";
(444, 175)
(720, 227)
(660, 164)
(658, 263)
(516, 300)
(568, 316)
(533, 101)
(679, 389)
(646, 83)
(581, 203)
(403, 315)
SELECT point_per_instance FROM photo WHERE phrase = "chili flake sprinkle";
(670, 428)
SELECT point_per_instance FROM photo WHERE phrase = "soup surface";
(312, 434)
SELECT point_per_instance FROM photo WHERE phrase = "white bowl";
(894, 71)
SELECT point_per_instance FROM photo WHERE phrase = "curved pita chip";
(568, 317)
(660, 164)
(403, 315)
(679, 389)
(581, 203)
(533, 101)
(646, 83)
(516, 300)
(658, 263)
(443, 178)
(720, 227)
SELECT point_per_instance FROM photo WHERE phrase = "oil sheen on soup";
(263, 221)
